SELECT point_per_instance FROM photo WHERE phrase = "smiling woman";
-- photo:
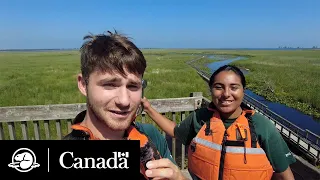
(227, 137)
(227, 87)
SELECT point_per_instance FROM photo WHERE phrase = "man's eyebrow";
(135, 82)
(110, 80)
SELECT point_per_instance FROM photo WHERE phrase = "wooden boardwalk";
(53, 121)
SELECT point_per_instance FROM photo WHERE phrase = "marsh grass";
(291, 78)
(40, 78)
(288, 77)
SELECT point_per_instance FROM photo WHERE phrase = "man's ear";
(82, 85)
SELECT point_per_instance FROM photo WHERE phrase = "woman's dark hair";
(228, 68)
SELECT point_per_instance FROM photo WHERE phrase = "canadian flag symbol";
(123, 154)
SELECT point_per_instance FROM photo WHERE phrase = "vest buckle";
(207, 130)
(193, 147)
(241, 133)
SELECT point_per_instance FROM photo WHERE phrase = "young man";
(112, 69)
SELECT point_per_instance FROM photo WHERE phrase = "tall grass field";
(288, 77)
(40, 78)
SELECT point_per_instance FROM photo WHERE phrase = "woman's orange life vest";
(148, 150)
(216, 153)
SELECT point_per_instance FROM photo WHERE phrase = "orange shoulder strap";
(134, 134)
(84, 129)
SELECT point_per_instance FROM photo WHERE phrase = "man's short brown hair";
(110, 53)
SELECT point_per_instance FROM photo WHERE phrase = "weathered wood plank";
(47, 129)
(40, 112)
(69, 123)
(303, 144)
(12, 130)
(174, 139)
(1, 132)
(36, 129)
(69, 111)
(294, 137)
(163, 132)
(285, 131)
(313, 151)
(58, 127)
(175, 104)
(143, 118)
(183, 116)
(24, 128)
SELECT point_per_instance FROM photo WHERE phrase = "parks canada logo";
(23, 160)
(70, 160)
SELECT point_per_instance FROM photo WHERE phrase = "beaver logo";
(23, 160)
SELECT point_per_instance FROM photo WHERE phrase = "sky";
(43, 24)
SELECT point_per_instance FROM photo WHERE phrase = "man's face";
(114, 99)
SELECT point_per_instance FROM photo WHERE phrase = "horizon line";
(21, 49)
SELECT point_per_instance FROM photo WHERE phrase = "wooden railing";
(305, 140)
(52, 122)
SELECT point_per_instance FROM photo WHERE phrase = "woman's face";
(227, 92)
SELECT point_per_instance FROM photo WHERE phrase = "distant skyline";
(58, 24)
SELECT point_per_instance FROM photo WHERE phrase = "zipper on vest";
(244, 146)
(223, 153)
(243, 137)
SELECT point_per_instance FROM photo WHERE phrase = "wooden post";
(183, 154)
(174, 139)
(1, 132)
(195, 94)
(198, 103)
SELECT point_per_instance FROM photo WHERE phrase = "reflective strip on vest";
(228, 148)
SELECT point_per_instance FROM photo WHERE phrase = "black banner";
(32, 158)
